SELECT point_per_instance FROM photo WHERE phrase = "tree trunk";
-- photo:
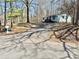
(11, 13)
(73, 16)
(27, 3)
(5, 14)
(76, 19)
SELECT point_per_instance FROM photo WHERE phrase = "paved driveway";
(36, 45)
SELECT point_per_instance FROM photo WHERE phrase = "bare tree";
(76, 12)
(68, 8)
(11, 13)
(26, 2)
(70, 29)
(71, 9)
(5, 20)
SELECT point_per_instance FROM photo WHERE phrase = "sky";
(19, 5)
(47, 5)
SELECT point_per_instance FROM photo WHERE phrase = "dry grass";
(18, 29)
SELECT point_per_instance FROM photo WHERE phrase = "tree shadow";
(64, 34)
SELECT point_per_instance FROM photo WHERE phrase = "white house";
(65, 18)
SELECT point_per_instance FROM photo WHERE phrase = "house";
(65, 18)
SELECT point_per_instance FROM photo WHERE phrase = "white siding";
(61, 19)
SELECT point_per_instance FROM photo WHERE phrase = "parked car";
(57, 18)
(50, 19)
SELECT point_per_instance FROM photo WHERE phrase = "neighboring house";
(58, 18)
(65, 18)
